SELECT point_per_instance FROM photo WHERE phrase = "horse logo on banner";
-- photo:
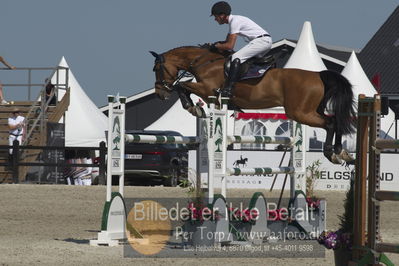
(242, 161)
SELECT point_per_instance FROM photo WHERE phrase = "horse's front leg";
(184, 96)
(199, 89)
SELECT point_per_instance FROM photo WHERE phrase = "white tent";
(354, 72)
(176, 119)
(85, 124)
(306, 56)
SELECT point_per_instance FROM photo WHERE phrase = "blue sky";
(106, 42)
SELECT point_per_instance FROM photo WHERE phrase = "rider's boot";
(231, 78)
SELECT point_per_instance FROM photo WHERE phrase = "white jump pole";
(298, 159)
(211, 154)
(114, 212)
(223, 172)
(217, 146)
(115, 158)
(111, 99)
(122, 101)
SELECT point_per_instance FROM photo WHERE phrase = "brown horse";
(303, 94)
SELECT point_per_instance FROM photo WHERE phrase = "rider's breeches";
(256, 47)
(11, 139)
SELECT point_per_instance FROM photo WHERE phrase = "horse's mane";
(205, 46)
(186, 46)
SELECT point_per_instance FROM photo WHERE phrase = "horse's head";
(165, 76)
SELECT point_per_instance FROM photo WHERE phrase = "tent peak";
(63, 62)
(306, 56)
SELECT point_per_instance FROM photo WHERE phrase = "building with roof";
(380, 60)
(380, 56)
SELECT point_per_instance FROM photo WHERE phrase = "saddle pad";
(256, 71)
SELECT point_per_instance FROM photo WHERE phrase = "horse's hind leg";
(328, 123)
(334, 153)
(314, 119)
(338, 143)
(337, 154)
(340, 152)
(328, 146)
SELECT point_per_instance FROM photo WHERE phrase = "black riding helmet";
(221, 7)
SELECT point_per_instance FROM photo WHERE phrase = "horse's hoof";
(344, 155)
(199, 112)
(192, 110)
(335, 159)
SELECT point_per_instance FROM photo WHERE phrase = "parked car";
(166, 162)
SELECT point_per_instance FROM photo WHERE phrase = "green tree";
(219, 131)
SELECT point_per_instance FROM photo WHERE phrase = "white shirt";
(12, 121)
(245, 27)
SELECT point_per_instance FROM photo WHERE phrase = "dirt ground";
(52, 225)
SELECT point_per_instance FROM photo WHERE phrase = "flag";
(376, 81)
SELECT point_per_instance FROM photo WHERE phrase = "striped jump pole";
(260, 140)
(151, 139)
(382, 144)
(260, 171)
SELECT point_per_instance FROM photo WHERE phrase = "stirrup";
(217, 91)
(226, 93)
(223, 93)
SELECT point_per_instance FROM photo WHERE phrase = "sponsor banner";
(248, 159)
(252, 159)
(336, 177)
(116, 138)
(332, 177)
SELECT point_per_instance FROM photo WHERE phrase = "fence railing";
(17, 162)
(40, 103)
(29, 85)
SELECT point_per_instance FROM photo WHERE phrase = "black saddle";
(254, 67)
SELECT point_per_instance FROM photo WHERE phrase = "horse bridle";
(160, 59)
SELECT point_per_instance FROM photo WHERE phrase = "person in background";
(50, 92)
(79, 176)
(16, 125)
(2, 99)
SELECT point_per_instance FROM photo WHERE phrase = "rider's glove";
(213, 48)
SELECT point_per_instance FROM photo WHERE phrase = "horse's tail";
(339, 95)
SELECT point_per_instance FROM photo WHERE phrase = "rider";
(259, 41)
